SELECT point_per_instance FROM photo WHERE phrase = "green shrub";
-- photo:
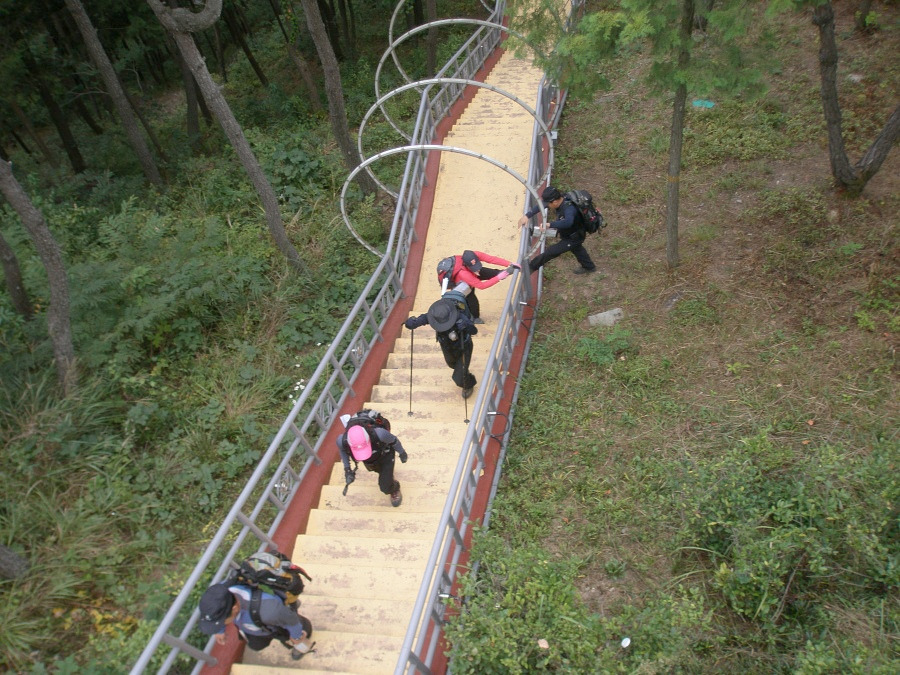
(784, 530)
(605, 350)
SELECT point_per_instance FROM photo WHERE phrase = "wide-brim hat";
(442, 315)
(215, 607)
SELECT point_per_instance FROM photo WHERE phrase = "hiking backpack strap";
(255, 604)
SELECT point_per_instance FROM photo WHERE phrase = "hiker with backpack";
(468, 268)
(368, 439)
(570, 226)
(454, 328)
(259, 617)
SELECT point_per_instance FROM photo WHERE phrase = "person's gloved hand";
(403, 457)
(409, 323)
(512, 268)
(503, 274)
(349, 476)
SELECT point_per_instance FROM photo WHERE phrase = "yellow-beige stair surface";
(367, 558)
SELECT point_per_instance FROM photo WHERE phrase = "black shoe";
(478, 320)
(297, 655)
(396, 498)
(585, 270)
(467, 392)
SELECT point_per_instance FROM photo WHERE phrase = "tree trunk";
(334, 91)
(431, 42)
(676, 138)
(81, 109)
(351, 14)
(177, 23)
(345, 29)
(201, 103)
(12, 565)
(823, 18)
(114, 88)
(418, 14)
(191, 104)
(25, 122)
(326, 15)
(21, 141)
(300, 63)
(315, 101)
(237, 34)
(862, 14)
(853, 179)
(220, 54)
(145, 123)
(13, 276)
(58, 321)
(876, 154)
(60, 122)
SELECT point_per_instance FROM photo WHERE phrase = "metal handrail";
(291, 453)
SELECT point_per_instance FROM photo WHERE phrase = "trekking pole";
(346, 485)
(411, 333)
(466, 377)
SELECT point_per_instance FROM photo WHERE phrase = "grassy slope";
(715, 477)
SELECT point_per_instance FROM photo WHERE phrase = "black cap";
(471, 261)
(215, 606)
(550, 194)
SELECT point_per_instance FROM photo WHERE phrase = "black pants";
(280, 633)
(471, 300)
(573, 244)
(385, 469)
(458, 356)
(260, 642)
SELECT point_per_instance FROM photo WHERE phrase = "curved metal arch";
(393, 20)
(430, 84)
(411, 148)
(419, 29)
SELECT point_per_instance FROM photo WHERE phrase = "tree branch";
(180, 20)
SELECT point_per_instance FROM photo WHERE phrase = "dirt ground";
(725, 248)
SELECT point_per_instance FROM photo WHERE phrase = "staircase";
(366, 558)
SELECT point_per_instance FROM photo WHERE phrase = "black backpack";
(273, 573)
(591, 218)
(445, 267)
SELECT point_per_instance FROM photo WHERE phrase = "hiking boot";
(478, 320)
(301, 650)
(585, 270)
(396, 498)
(467, 392)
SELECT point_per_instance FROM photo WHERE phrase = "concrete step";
(431, 378)
(247, 669)
(432, 360)
(354, 581)
(335, 652)
(413, 474)
(430, 420)
(447, 393)
(364, 495)
(378, 616)
(373, 524)
(372, 552)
